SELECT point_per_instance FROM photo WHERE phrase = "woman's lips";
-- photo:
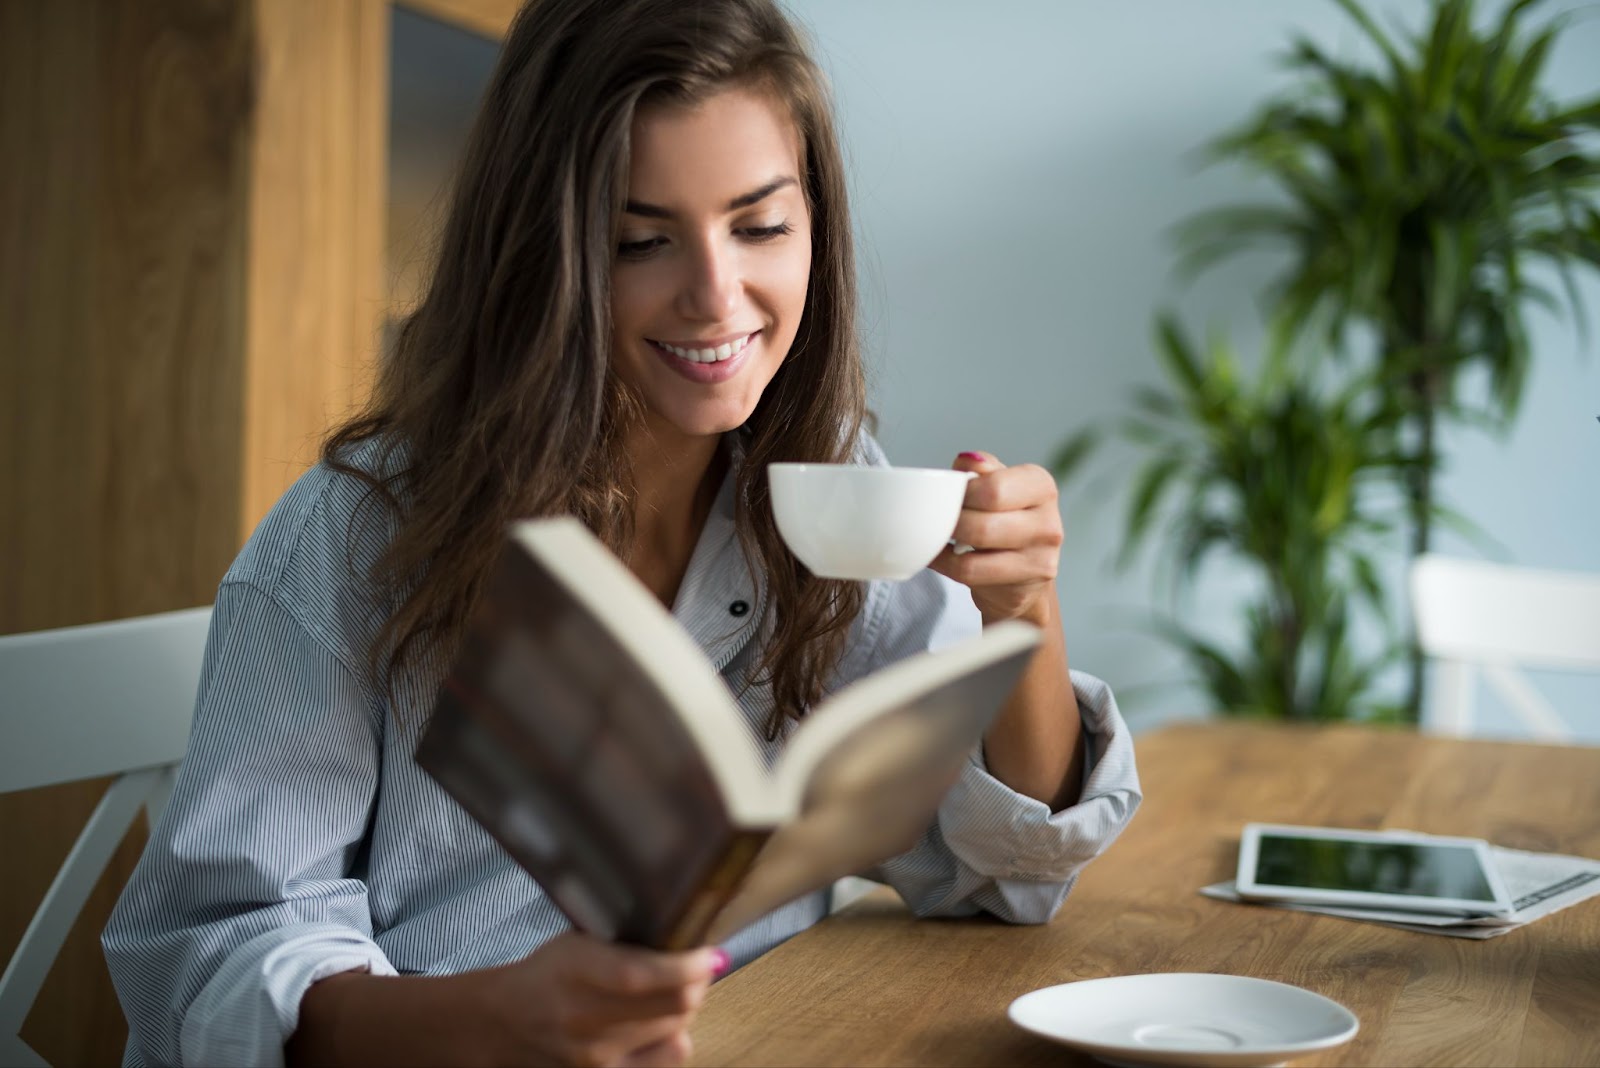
(706, 373)
(709, 350)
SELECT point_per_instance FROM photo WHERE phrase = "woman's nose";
(711, 290)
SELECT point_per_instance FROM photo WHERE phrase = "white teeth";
(726, 350)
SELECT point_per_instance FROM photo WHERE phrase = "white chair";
(1474, 616)
(84, 703)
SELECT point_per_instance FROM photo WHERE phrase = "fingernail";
(720, 961)
(975, 456)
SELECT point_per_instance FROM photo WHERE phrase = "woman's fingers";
(999, 488)
(1007, 539)
(654, 1041)
(600, 1010)
(629, 983)
(632, 970)
(669, 1052)
(578, 999)
(996, 568)
(1025, 529)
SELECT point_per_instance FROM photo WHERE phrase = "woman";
(645, 293)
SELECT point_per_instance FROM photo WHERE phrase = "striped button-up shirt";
(303, 840)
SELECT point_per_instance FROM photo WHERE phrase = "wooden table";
(873, 986)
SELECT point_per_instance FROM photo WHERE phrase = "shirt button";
(738, 608)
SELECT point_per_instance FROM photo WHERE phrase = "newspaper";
(1538, 883)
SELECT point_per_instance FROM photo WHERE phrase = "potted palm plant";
(1420, 197)
(1286, 476)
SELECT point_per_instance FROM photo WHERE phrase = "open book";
(585, 730)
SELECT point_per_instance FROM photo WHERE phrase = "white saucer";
(1224, 1021)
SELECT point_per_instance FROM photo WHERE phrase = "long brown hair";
(498, 399)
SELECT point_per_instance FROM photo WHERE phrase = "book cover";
(584, 729)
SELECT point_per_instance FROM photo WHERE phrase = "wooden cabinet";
(192, 287)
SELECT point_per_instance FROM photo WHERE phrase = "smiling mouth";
(727, 350)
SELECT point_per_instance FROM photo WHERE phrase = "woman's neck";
(675, 484)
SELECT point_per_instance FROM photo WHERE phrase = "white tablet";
(1370, 869)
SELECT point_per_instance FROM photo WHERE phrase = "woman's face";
(712, 263)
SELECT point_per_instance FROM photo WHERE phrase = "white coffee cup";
(851, 522)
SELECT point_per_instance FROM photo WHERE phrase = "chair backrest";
(107, 699)
(1474, 616)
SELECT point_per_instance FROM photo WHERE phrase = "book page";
(876, 790)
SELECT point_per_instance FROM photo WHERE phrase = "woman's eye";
(766, 233)
(635, 250)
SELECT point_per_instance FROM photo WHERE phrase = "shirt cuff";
(1007, 835)
(251, 1006)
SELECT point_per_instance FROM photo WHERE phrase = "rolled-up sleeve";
(993, 849)
(245, 896)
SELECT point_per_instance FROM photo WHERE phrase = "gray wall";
(1015, 167)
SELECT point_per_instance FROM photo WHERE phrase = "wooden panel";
(488, 17)
(123, 179)
(315, 232)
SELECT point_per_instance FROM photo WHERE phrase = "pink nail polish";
(720, 961)
(976, 456)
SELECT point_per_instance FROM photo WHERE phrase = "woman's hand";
(1011, 520)
(578, 1000)
(574, 1000)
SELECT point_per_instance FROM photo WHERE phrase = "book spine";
(719, 885)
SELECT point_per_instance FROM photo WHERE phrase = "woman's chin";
(700, 421)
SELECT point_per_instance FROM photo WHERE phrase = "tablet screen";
(1412, 869)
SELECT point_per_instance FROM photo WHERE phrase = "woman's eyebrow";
(744, 200)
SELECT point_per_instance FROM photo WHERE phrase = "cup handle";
(961, 548)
